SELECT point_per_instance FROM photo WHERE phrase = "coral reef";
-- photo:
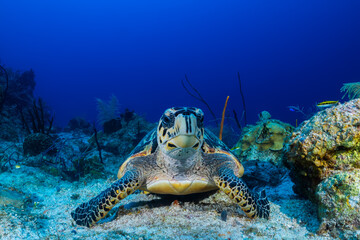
(339, 201)
(89, 164)
(42, 210)
(3, 87)
(10, 155)
(112, 125)
(325, 150)
(264, 115)
(265, 141)
(109, 117)
(57, 172)
(76, 154)
(325, 144)
(352, 90)
(107, 110)
(11, 125)
(37, 117)
(37, 143)
(16, 94)
(69, 156)
(21, 88)
(38, 139)
(125, 139)
(127, 115)
(79, 124)
(263, 174)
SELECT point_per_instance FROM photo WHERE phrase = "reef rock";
(112, 125)
(324, 153)
(327, 143)
(339, 201)
(79, 124)
(11, 196)
(263, 174)
(127, 137)
(10, 125)
(265, 141)
(37, 143)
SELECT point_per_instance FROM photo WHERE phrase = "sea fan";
(352, 90)
(107, 110)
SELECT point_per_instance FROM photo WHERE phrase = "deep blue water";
(287, 52)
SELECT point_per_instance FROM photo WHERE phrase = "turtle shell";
(212, 144)
(145, 147)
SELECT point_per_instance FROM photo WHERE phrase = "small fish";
(234, 148)
(17, 166)
(327, 104)
(296, 109)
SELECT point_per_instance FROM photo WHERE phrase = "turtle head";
(180, 133)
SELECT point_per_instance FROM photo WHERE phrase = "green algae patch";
(339, 200)
(349, 159)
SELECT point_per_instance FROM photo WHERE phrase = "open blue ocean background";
(287, 53)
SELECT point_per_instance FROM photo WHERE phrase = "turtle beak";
(183, 141)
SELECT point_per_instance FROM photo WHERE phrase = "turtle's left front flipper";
(87, 214)
(254, 205)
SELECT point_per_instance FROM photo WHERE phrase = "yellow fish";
(327, 104)
(17, 166)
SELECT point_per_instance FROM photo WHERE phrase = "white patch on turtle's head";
(180, 133)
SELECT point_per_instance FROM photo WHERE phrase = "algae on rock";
(324, 154)
(327, 143)
(339, 200)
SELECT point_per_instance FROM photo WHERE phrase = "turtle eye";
(167, 120)
(200, 120)
(170, 145)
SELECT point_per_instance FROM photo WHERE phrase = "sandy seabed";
(46, 215)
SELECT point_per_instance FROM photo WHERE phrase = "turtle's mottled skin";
(178, 157)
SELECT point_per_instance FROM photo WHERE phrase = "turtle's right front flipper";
(90, 212)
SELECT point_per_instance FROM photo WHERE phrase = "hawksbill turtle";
(178, 157)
